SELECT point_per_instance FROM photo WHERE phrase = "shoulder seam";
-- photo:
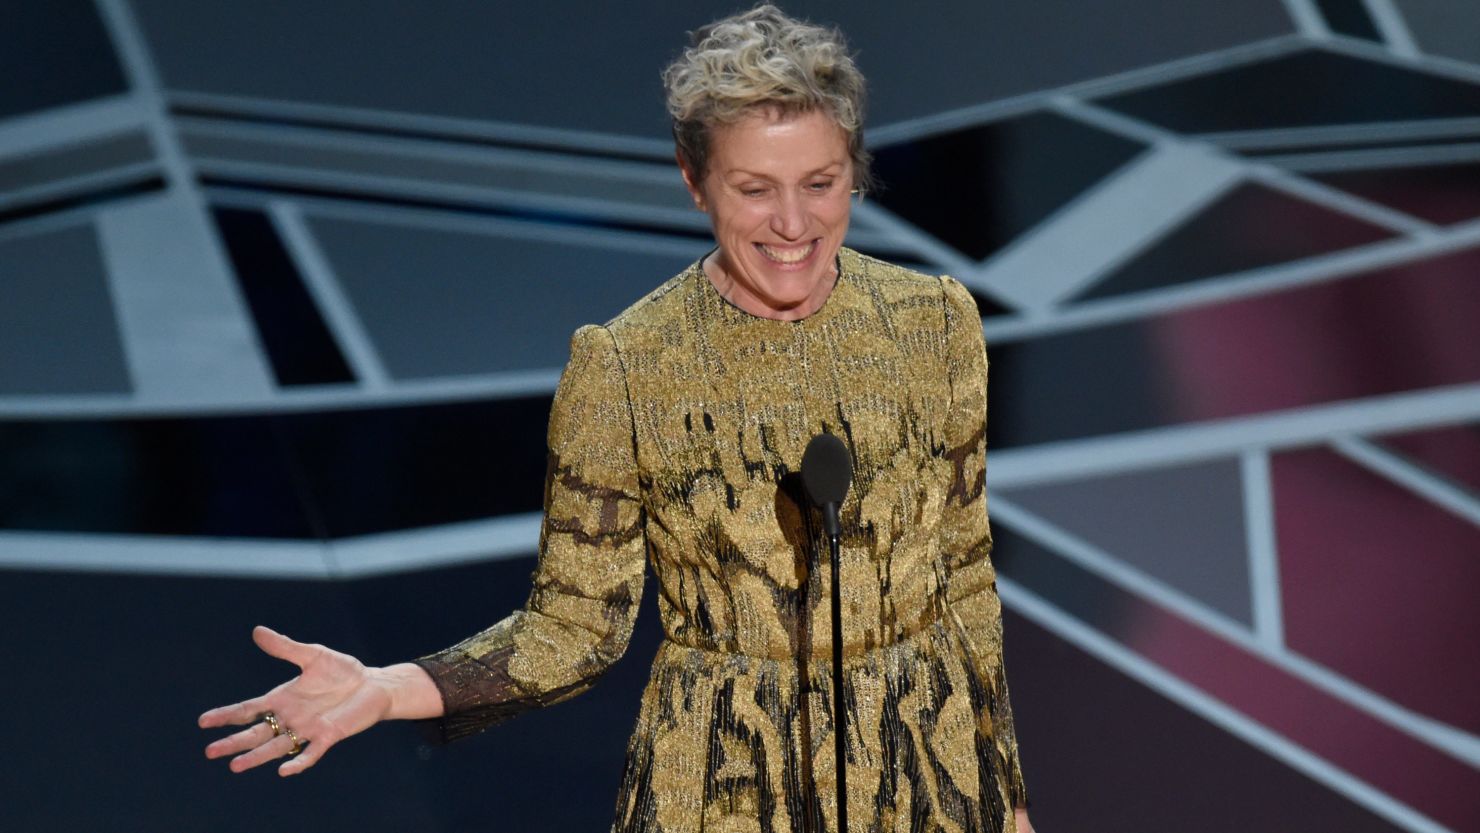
(877, 269)
(626, 387)
(944, 282)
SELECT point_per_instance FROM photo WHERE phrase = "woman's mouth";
(787, 255)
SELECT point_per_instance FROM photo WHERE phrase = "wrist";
(409, 692)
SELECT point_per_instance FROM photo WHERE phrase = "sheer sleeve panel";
(966, 537)
(586, 589)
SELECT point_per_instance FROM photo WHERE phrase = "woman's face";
(777, 193)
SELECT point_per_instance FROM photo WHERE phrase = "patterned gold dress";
(675, 438)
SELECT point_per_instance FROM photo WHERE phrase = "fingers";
(272, 749)
(305, 759)
(281, 646)
(236, 714)
(249, 738)
(256, 745)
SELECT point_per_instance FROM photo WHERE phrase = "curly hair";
(763, 60)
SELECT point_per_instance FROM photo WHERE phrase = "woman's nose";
(789, 217)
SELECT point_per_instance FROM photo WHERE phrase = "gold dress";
(675, 438)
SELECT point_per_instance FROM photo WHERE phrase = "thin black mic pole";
(827, 471)
(840, 722)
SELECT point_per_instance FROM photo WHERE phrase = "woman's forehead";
(774, 144)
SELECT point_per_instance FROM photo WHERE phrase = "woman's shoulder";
(869, 267)
(897, 281)
(659, 307)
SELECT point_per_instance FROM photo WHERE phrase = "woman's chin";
(793, 282)
(790, 290)
(784, 289)
(797, 299)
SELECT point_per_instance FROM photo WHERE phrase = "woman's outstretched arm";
(586, 588)
(576, 623)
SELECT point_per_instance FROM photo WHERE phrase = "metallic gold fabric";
(676, 433)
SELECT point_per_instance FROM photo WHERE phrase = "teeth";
(788, 255)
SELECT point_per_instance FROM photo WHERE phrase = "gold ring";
(297, 741)
(272, 723)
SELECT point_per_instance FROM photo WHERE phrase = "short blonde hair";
(757, 60)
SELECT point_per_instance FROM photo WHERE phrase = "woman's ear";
(690, 182)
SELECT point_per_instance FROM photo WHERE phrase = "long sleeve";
(586, 589)
(966, 536)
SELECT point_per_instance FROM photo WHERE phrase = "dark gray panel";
(1250, 227)
(1305, 89)
(443, 303)
(924, 59)
(325, 474)
(58, 333)
(1444, 27)
(1349, 17)
(980, 187)
(594, 66)
(226, 477)
(1251, 146)
(514, 62)
(1183, 525)
(494, 173)
(54, 53)
(555, 769)
(75, 160)
(137, 183)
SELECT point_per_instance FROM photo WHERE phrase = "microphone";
(827, 471)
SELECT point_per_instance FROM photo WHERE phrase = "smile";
(795, 254)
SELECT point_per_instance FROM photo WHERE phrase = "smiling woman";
(768, 128)
(676, 438)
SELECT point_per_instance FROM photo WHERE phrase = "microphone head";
(827, 470)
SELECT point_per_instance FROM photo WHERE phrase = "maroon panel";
(1101, 752)
(1395, 329)
(1417, 774)
(1444, 194)
(1402, 328)
(1453, 452)
(1380, 585)
(1438, 785)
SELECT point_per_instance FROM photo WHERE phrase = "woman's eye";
(819, 187)
(753, 192)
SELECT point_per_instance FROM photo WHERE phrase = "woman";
(675, 435)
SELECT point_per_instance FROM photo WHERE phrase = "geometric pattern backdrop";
(285, 290)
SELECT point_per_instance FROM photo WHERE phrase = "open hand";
(333, 696)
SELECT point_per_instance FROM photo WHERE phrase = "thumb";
(277, 645)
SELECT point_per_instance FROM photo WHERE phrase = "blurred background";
(285, 290)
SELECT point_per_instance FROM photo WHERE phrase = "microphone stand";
(827, 470)
(840, 718)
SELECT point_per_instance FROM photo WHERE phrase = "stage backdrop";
(285, 289)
